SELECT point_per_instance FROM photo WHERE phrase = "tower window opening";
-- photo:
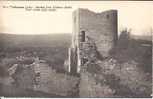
(82, 36)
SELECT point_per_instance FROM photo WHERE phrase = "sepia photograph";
(76, 49)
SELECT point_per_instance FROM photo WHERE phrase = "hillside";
(139, 37)
(52, 48)
(47, 40)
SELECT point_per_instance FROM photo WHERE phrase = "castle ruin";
(91, 32)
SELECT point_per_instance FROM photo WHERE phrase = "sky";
(135, 15)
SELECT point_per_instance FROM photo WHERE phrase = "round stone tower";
(100, 27)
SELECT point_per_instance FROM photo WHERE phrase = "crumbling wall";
(90, 71)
